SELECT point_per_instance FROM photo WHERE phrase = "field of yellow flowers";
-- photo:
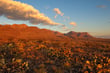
(35, 56)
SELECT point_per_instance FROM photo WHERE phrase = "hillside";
(33, 56)
(22, 31)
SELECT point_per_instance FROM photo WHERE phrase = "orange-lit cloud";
(57, 11)
(73, 23)
(65, 28)
(20, 11)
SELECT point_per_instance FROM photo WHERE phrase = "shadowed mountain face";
(23, 31)
(73, 34)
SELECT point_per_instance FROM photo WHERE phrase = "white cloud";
(20, 11)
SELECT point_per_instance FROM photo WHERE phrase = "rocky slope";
(22, 31)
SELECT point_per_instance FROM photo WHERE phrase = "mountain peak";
(73, 34)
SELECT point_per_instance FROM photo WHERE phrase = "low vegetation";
(37, 56)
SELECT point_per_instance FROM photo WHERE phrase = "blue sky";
(91, 16)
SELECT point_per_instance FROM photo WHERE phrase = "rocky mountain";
(22, 31)
(73, 34)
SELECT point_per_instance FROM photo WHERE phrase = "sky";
(91, 16)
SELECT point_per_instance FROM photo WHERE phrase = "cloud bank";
(20, 11)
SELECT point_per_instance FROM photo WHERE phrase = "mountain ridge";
(22, 31)
(73, 34)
